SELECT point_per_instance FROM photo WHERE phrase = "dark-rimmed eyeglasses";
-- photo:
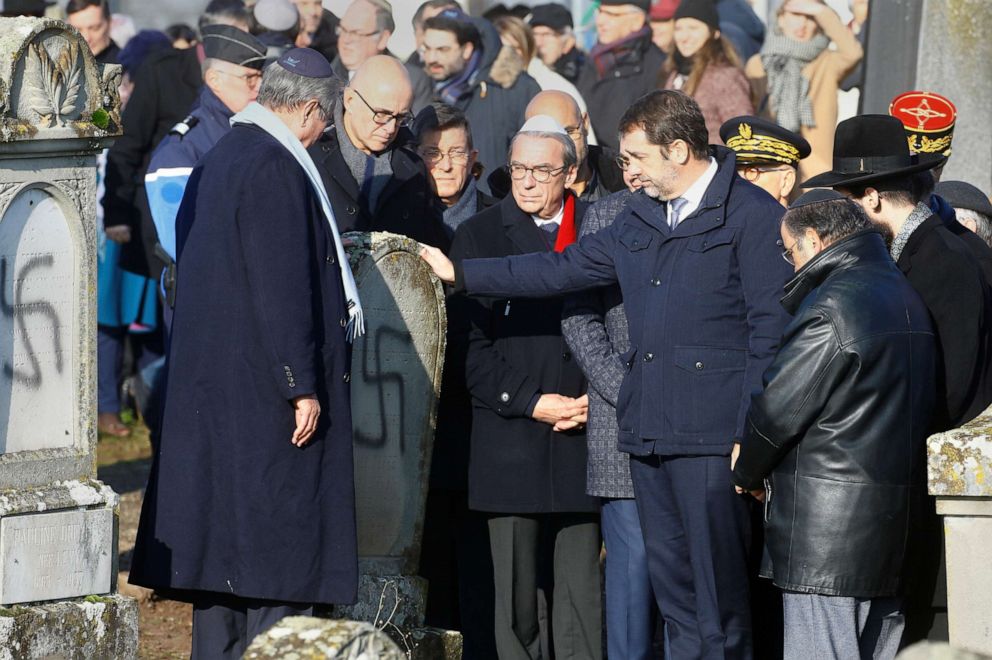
(383, 117)
(345, 32)
(431, 155)
(541, 174)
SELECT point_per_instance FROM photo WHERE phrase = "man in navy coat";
(697, 257)
(250, 510)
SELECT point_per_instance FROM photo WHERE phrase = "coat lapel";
(520, 228)
(338, 169)
(404, 168)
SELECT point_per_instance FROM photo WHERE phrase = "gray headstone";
(58, 110)
(396, 379)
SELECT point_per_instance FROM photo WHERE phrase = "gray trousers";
(841, 627)
(568, 544)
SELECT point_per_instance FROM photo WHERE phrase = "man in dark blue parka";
(250, 510)
(697, 257)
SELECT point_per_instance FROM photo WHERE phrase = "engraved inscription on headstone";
(37, 319)
(47, 556)
(396, 370)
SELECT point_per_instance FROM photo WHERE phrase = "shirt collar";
(539, 221)
(694, 194)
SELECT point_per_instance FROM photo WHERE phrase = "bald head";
(561, 107)
(377, 103)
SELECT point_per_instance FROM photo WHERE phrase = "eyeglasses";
(383, 117)
(574, 131)
(615, 14)
(345, 32)
(251, 79)
(541, 174)
(787, 254)
(432, 156)
(752, 172)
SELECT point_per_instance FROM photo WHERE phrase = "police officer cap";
(817, 196)
(552, 15)
(643, 5)
(757, 141)
(306, 62)
(227, 43)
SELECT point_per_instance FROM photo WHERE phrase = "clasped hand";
(564, 413)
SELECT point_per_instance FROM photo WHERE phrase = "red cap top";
(663, 10)
(923, 112)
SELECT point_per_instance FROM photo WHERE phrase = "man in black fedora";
(873, 166)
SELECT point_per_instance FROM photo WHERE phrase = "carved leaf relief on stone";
(52, 86)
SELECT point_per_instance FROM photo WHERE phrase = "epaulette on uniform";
(185, 126)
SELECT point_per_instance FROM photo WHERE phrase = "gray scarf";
(915, 219)
(788, 89)
(463, 209)
(358, 161)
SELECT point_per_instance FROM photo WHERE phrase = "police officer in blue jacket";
(231, 75)
(696, 254)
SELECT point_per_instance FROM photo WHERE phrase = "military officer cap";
(227, 43)
(928, 119)
(757, 141)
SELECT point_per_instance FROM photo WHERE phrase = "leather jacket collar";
(865, 245)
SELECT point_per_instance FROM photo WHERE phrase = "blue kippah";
(816, 196)
(306, 62)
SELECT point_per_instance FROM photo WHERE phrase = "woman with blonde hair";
(800, 75)
(704, 65)
(518, 38)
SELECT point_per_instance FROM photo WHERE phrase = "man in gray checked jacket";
(595, 327)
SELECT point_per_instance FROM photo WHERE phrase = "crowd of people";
(667, 366)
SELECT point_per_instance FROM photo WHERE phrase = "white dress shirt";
(693, 196)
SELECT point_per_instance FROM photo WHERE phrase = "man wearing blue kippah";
(834, 439)
(249, 511)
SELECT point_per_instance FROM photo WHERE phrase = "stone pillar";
(960, 476)
(939, 46)
(58, 525)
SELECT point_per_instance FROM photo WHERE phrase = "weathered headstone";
(309, 637)
(58, 525)
(395, 382)
(960, 476)
(396, 379)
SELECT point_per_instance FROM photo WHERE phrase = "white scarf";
(259, 116)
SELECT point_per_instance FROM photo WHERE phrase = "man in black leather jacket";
(837, 435)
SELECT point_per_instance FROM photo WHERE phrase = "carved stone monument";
(58, 525)
(960, 476)
(395, 381)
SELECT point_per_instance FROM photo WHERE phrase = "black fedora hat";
(871, 148)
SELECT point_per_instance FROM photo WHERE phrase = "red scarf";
(566, 230)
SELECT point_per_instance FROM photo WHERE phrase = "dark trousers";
(520, 544)
(457, 562)
(224, 626)
(696, 532)
(630, 620)
(109, 354)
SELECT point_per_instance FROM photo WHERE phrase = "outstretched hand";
(440, 264)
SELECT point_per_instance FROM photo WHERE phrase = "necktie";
(551, 229)
(675, 207)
